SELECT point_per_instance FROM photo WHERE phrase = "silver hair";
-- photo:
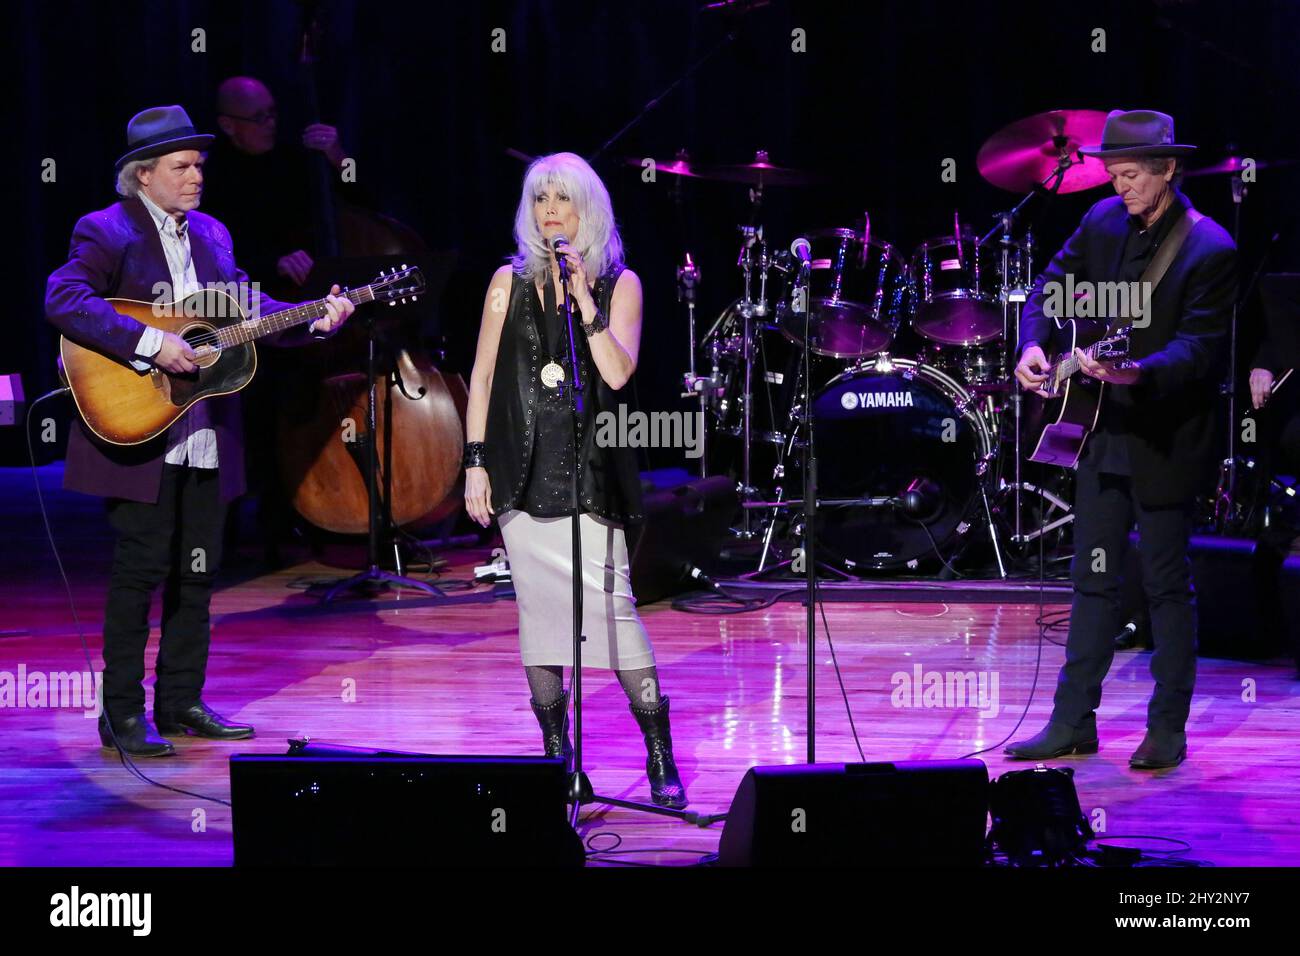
(1155, 165)
(597, 240)
(128, 183)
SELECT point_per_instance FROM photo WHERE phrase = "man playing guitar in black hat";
(1152, 446)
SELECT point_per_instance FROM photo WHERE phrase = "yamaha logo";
(852, 400)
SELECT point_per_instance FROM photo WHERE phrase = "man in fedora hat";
(166, 498)
(1152, 448)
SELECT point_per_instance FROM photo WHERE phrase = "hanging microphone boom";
(801, 249)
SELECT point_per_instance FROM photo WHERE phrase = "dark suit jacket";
(1171, 434)
(117, 253)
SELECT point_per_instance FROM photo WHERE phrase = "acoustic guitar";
(124, 406)
(1073, 400)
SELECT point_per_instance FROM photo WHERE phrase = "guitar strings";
(309, 310)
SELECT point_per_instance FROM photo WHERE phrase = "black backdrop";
(883, 94)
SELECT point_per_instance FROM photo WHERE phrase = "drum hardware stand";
(688, 278)
(1226, 511)
(374, 576)
(788, 443)
(1045, 526)
(993, 526)
(752, 238)
(1013, 300)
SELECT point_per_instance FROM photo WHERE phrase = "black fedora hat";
(1137, 133)
(161, 130)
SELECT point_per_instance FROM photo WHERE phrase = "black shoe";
(135, 735)
(200, 720)
(554, 721)
(666, 788)
(1159, 750)
(1056, 740)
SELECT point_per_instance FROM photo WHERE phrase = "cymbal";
(680, 165)
(760, 172)
(1232, 164)
(1022, 154)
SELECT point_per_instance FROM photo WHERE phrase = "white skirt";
(540, 551)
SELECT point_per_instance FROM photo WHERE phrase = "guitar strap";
(1159, 264)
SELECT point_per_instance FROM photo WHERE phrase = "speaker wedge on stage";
(917, 813)
(348, 807)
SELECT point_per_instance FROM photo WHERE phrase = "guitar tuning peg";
(415, 298)
(391, 303)
(404, 265)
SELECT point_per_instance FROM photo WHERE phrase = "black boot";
(200, 720)
(554, 721)
(135, 735)
(666, 788)
(1160, 750)
(1057, 740)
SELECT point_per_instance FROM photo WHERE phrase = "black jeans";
(1104, 509)
(176, 543)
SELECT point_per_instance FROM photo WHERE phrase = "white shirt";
(191, 440)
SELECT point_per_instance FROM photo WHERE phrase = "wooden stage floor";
(447, 679)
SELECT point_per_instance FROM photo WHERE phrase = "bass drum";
(904, 454)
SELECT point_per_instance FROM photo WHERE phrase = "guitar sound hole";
(198, 336)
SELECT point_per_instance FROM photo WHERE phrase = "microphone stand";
(580, 791)
(579, 785)
(374, 577)
(803, 293)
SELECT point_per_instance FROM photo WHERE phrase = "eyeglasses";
(261, 118)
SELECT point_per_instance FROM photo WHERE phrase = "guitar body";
(1064, 420)
(126, 407)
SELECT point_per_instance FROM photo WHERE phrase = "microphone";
(921, 499)
(801, 249)
(558, 240)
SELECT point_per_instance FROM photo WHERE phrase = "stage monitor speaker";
(908, 813)
(1245, 604)
(684, 527)
(377, 809)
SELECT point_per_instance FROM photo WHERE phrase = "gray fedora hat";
(1137, 133)
(161, 130)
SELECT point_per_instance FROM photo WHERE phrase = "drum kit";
(918, 455)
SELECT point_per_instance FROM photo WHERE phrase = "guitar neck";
(283, 319)
(1066, 366)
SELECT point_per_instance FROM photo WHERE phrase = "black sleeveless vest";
(609, 484)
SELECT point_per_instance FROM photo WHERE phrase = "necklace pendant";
(552, 375)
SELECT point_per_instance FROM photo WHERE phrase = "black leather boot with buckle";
(554, 721)
(666, 788)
